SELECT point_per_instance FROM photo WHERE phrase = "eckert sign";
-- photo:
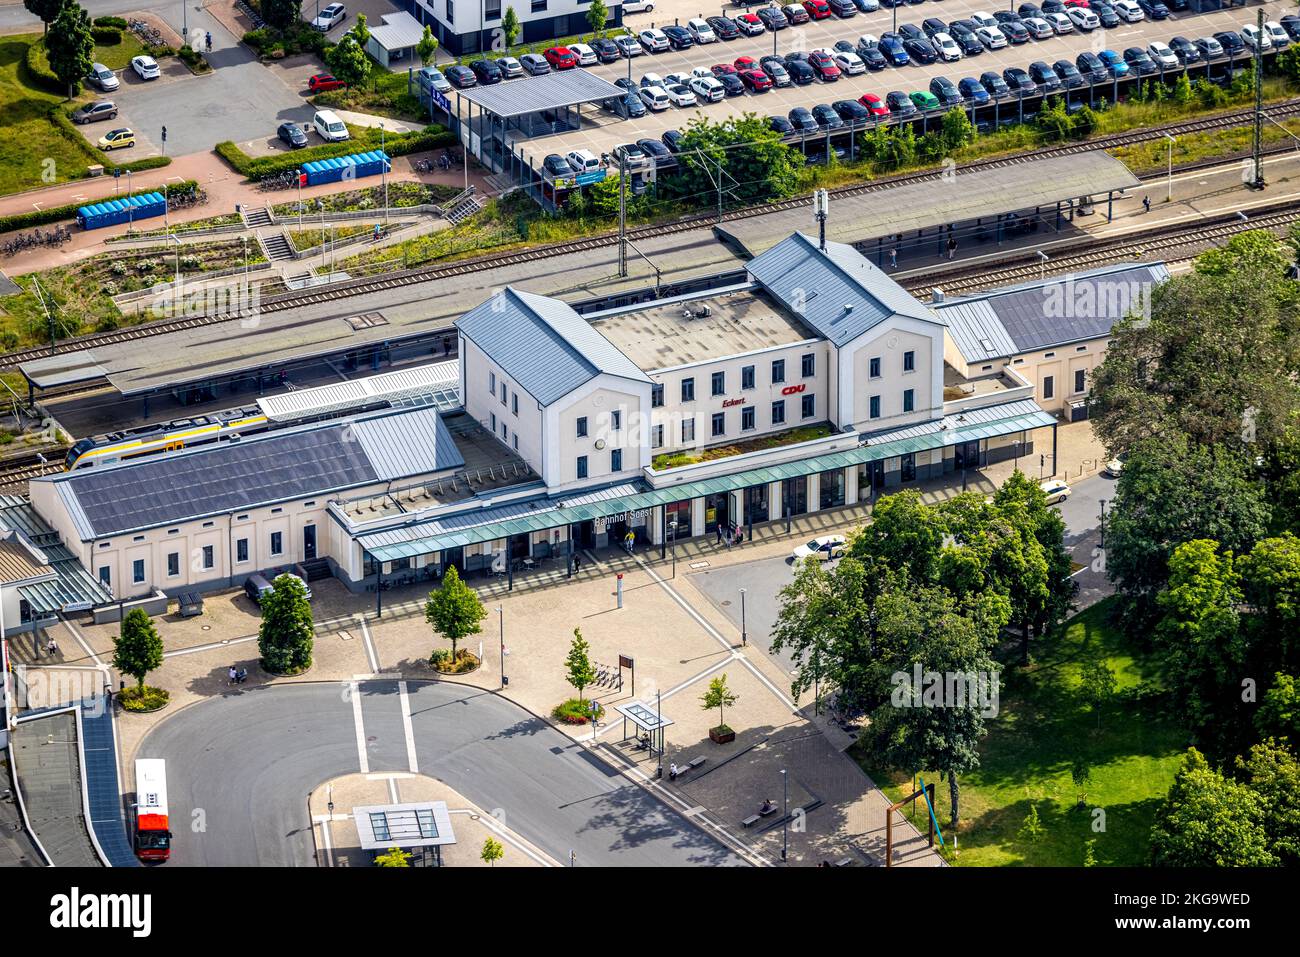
(730, 402)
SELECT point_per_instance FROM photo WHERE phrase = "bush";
(118, 22)
(38, 68)
(150, 699)
(576, 711)
(465, 661)
(106, 36)
(40, 217)
(363, 139)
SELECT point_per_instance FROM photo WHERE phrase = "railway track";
(14, 478)
(394, 280)
(1171, 242)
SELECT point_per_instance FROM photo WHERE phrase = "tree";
(719, 696)
(427, 46)
(510, 27)
(347, 60)
(454, 609)
(70, 46)
(597, 14)
(138, 649)
(1090, 852)
(45, 10)
(286, 634)
(1172, 491)
(1032, 828)
(578, 664)
(741, 156)
(492, 851)
(1081, 774)
(394, 856)
(1279, 711)
(904, 534)
(282, 14)
(1270, 579)
(1208, 820)
(1271, 771)
(956, 129)
(360, 32)
(1097, 682)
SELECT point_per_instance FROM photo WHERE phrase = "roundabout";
(241, 768)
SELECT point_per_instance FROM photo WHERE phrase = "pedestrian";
(378, 231)
(207, 40)
(1146, 203)
(719, 541)
(893, 257)
(51, 647)
(577, 562)
(628, 541)
(446, 344)
(672, 771)
(952, 246)
(234, 675)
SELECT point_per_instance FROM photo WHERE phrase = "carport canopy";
(550, 91)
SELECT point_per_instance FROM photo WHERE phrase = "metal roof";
(490, 524)
(838, 293)
(396, 31)
(381, 826)
(259, 470)
(19, 563)
(72, 588)
(541, 343)
(550, 91)
(65, 369)
(435, 383)
(942, 199)
(1050, 312)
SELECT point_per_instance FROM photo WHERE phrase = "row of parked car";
(708, 85)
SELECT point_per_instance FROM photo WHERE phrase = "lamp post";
(1102, 529)
(1169, 195)
(785, 823)
(501, 624)
(744, 635)
(383, 171)
(659, 720)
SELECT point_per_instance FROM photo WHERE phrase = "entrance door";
(308, 542)
(454, 556)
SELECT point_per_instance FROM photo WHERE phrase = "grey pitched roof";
(1050, 312)
(838, 293)
(541, 343)
(259, 470)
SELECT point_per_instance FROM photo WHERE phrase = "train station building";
(810, 381)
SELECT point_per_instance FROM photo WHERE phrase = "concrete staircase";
(464, 206)
(276, 247)
(316, 569)
(256, 218)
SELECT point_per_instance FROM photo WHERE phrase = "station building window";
(582, 426)
(688, 430)
(277, 543)
(778, 371)
(678, 517)
(874, 367)
(909, 400)
(718, 384)
(656, 396)
(808, 365)
(747, 377)
(831, 492)
(106, 576)
(616, 460)
(778, 412)
(241, 550)
(875, 407)
(582, 466)
(137, 572)
(173, 564)
(719, 424)
(209, 557)
(688, 390)
(808, 406)
(747, 418)
(909, 361)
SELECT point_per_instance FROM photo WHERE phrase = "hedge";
(106, 36)
(39, 68)
(363, 139)
(41, 217)
(118, 22)
(59, 117)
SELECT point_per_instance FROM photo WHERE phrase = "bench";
(750, 821)
(844, 862)
(689, 766)
(764, 812)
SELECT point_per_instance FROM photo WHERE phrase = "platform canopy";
(551, 91)
(69, 368)
(944, 199)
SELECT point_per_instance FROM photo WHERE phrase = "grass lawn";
(384, 94)
(1043, 726)
(309, 238)
(803, 433)
(370, 197)
(33, 151)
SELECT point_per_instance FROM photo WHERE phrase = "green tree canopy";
(347, 60)
(138, 648)
(577, 666)
(1272, 772)
(44, 10)
(454, 609)
(1279, 710)
(70, 46)
(282, 14)
(904, 534)
(427, 46)
(286, 635)
(742, 154)
(1208, 820)
(719, 696)
(394, 856)
(510, 27)
(492, 851)
(597, 14)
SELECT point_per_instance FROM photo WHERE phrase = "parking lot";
(602, 130)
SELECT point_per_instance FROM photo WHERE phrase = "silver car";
(103, 77)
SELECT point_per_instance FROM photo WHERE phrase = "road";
(240, 768)
(762, 580)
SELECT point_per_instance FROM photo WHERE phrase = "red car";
(756, 80)
(817, 9)
(561, 58)
(721, 68)
(823, 66)
(744, 63)
(750, 24)
(1077, 3)
(873, 104)
(323, 82)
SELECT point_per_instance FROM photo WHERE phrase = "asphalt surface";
(763, 580)
(240, 768)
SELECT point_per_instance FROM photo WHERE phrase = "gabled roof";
(838, 293)
(258, 470)
(1048, 312)
(541, 343)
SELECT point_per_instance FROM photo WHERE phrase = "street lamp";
(1103, 522)
(744, 635)
(1043, 260)
(501, 624)
(383, 170)
(785, 823)
(1169, 196)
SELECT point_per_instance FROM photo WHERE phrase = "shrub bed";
(464, 662)
(576, 711)
(364, 138)
(142, 702)
(300, 38)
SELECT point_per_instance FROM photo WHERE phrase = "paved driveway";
(240, 767)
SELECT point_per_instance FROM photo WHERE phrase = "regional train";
(435, 384)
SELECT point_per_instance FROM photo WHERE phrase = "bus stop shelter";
(424, 827)
(648, 721)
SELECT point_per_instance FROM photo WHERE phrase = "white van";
(584, 161)
(329, 126)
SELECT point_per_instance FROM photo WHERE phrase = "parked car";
(628, 156)
(772, 18)
(461, 77)
(1186, 51)
(1210, 47)
(329, 127)
(586, 55)
(802, 120)
(535, 64)
(486, 72)
(1083, 19)
(560, 58)
(1091, 67)
(826, 117)
(583, 161)
(660, 156)
(992, 37)
(1129, 11)
(104, 78)
(700, 31)
(780, 125)
(1279, 37)
(96, 111)
(852, 112)
(673, 140)
(724, 28)
(946, 47)
(775, 69)
(512, 69)
(973, 90)
(994, 84)
(920, 51)
(1015, 31)
(900, 105)
(330, 17)
(801, 72)
(823, 65)
(557, 165)
(117, 139)
(628, 45)
(324, 82)
(434, 78)
(292, 135)
(1114, 467)
(1044, 77)
(1291, 24)
(1059, 22)
(1153, 9)
(823, 548)
(873, 105)
(606, 50)
(146, 67)
(655, 98)
(795, 14)
(707, 89)
(756, 81)
(679, 38)
(1039, 28)
(751, 25)
(256, 587)
(1255, 39)
(679, 95)
(654, 40)
(1163, 55)
(1069, 74)
(843, 8)
(891, 46)
(945, 91)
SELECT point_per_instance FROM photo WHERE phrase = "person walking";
(628, 541)
(893, 257)
(234, 674)
(719, 531)
(952, 246)
(51, 647)
(207, 41)
(1146, 203)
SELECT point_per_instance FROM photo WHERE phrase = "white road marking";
(371, 654)
(85, 646)
(492, 824)
(359, 722)
(324, 822)
(406, 727)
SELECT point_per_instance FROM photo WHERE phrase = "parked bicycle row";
(54, 237)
